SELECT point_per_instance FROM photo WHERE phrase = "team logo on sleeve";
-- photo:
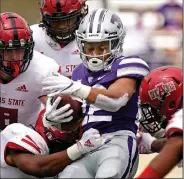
(160, 89)
(90, 79)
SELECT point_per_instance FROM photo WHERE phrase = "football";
(75, 105)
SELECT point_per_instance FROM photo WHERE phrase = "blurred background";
(154, 32)
(154, 27)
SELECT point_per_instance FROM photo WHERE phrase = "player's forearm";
(111, 99)
(96, 91)
(109, 103)
(42, 166)
(53, 164)
(116, 90)
(158, 144)
(169, 156)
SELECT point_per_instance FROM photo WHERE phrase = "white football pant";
(116, 159)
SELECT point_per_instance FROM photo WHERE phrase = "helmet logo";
(116, 20)
(22, 42)
(160, 89)
(93, 35)
(10, 44)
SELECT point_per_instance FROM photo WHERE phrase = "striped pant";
(116, 159)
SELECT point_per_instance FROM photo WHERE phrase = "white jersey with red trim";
(19, 99)
(19, 137)
(67, 57)
(175, 124)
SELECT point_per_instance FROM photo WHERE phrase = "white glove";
(90, 141)
(144, 142)
(54, 116)
(59, 84)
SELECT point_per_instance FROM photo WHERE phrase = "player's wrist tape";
(73, 152)
(83, 91)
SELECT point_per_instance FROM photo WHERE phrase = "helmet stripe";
(96, 19)
(13, 23)
(91, 21)
(100, 20)
(58, 5)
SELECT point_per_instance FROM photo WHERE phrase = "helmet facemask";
(96, 62)
(61, 26)
(14, 58)
(151, 119)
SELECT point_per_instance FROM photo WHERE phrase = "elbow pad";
(111, 104)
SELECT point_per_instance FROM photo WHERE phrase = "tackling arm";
(38, 165)
(148, 144)
(158, 144)
(167, 159)
(50, 165)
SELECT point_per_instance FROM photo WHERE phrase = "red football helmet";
(56, 137)
(16, 46)
(161, 94)
(62, 17)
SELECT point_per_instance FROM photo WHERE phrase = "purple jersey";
(125, 117)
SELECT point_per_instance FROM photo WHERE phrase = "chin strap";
(17, 70)
(6, 78)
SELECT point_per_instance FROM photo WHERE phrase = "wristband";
(83, 91)
(73, 152)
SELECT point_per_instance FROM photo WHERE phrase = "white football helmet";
(98, 26)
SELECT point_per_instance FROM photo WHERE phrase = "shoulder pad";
(131, 66)
(24, 138)
(175, 124)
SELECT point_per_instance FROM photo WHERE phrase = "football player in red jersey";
(21, 72)
(44, 152)
(55, 35)
(161, 96)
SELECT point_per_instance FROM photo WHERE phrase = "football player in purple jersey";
(108, 83)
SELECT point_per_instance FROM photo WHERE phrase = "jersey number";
(8, 116)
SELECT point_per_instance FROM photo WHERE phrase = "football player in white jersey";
(108, 83)
(55, 35)
(25, 152)
(21, 72)
(161, 96)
